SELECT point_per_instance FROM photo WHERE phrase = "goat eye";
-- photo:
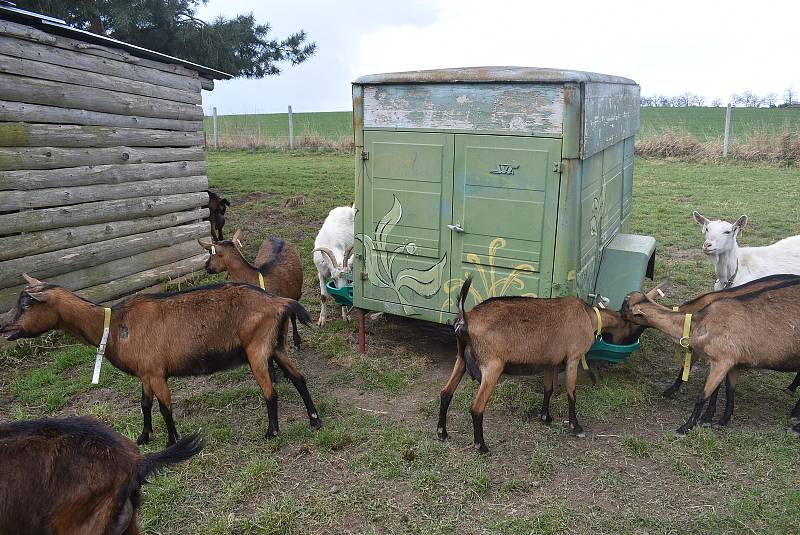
(727, 232)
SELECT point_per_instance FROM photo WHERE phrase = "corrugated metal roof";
(60, 27)
(491, 74)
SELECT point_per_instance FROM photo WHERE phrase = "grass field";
(704, 123)
(377, 467)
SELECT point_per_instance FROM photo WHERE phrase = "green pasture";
(706, 123)
(377, 466)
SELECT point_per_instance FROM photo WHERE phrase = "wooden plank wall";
(102, 167)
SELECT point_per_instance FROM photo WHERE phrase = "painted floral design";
(379, 262)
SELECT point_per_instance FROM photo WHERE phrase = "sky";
(703, 46)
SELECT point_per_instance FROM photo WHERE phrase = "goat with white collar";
(736, 265)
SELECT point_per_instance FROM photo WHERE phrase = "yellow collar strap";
(599, 322)
(684, 342)
(101, 349)
(261, 280)
(597, 333)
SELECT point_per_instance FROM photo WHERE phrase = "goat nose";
(707, 245)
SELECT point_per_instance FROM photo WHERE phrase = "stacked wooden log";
(102, 166)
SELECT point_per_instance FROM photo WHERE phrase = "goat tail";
(296, 312)
(295, 335)
(460, 324)
(183, 449)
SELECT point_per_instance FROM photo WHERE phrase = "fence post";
(291, 130)
(216, 129)
(727, 140)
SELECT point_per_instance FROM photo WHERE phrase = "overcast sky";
(701, 46)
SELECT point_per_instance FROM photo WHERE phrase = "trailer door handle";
(455, 228)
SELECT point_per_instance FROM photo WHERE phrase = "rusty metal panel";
(527, 109)
(610, 115)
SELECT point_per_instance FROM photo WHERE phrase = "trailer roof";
(491, 74)
(59, 27)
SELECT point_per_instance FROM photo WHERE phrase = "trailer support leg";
(362, 337)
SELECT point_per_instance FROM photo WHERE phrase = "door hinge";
(558, 167)
(363, 276)
(364, 155)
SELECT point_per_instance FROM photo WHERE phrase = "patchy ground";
(377, 467)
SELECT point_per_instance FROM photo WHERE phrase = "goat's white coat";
(336, 234)
(754, 262)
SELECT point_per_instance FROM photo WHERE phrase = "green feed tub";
(343, 296)
(614, 353)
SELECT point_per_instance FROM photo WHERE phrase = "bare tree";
(770, 99)
(788, 97)
(717, 102)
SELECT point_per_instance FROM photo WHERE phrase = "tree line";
(747, 99)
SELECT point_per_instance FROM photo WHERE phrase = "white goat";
(333, 247)
(736, 265)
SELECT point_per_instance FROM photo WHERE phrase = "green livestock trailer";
(521, 177)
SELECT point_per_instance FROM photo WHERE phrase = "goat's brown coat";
(758, 329)
(156, 336)
(74, 476)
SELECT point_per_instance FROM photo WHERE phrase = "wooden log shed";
(102, 161)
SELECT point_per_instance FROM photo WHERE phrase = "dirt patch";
(252, 197)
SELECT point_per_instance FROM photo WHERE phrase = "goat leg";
(260, 364)
(711, 409)
(299, 382)
(571, 380)
(161, 390)
(715, 375)
(323, 294)
(147, 413)
(795, 383)
(675, 387)
(730, 388)
(795, 414)
(447, 393)
(489, 377)
(295, 335)
(550, 374)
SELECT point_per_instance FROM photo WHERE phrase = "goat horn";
(327, 252)
(346, 257)
(30, 280)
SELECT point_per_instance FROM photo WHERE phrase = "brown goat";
(156, 336)
(277, 261)
(758, 329)
(630, 332)
(520, 336)
(75, 476)
(216, 214)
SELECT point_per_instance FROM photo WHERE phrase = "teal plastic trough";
(613, 353)
(343, 296)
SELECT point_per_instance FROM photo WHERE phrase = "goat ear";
(237, 238)
(30, 280)
(204, 244)
(659, 290)
(700, 218)
(39, 296)
(741, 222)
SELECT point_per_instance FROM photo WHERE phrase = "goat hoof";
(482, 449)
(578, 431)
(441, 432)
(723, 422)
(144, 438)
(795, 430)
(669, 393)
(315, 423)
(681, 432)
(546, 419)
(270, 434)
(706, 423)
